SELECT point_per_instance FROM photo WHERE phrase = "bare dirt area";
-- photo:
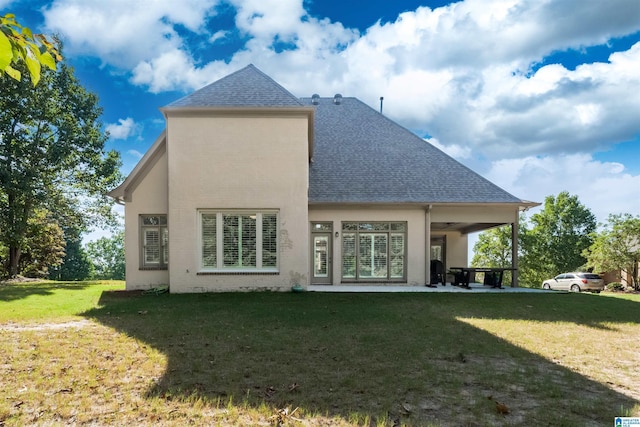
(19, 279)
(76, 324)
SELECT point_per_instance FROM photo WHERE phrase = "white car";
(575, 282)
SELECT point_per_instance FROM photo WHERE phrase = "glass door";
(321, 259)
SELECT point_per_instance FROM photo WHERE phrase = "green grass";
(50, 300)
(341, 359)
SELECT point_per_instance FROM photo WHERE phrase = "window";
(239, 241)
(154, 236)
(374, 251)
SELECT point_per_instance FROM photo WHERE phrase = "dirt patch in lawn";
(76, 324)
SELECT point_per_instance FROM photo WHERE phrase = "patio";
(473, 288)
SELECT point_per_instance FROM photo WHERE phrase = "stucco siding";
(457, 249)
(237, 163)
(476, 214)
(148, 198)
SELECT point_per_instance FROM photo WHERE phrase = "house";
(250, 187)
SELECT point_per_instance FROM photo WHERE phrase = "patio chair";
(437, 272)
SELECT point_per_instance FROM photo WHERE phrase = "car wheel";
(575, 288)
(546, 286)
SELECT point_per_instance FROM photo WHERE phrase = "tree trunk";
(18, 216)
(14, 261)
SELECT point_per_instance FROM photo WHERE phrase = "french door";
(321, 258)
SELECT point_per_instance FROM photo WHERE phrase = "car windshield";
(589, 276)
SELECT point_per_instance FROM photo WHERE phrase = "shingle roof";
(361, 156)
(247, 87)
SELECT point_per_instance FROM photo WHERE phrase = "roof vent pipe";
(337, 99)
(315, 99)
(381, 99)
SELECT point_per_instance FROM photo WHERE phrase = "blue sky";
(539, 96)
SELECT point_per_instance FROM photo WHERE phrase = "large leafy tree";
(558, 236)
(617, 246)
(493, 248)
(550, 242)
(44, 245)
(52, 156)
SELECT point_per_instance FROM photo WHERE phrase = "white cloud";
(123, 129)
(603, 187)
(123, 32)
(218, 35)
(176, 70)
(456, 151)
(266, 18)
(135, 153)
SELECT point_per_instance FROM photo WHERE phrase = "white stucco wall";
(457, 249)
(237, 162)
(475, 213)
(148, 198)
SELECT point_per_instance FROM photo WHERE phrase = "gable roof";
(361, 156)
(247, 87)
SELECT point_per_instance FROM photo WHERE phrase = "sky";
(538, 96)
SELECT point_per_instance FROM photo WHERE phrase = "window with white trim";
(374, 251)
(154, 237)
(238, 241)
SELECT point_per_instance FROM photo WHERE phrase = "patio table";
(492, 275)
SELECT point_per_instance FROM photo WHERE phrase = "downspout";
(427, 246)
(514, 250)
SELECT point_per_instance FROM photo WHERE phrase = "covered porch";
(465, 219)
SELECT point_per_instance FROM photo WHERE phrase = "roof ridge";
(246, 87)
(268, 77)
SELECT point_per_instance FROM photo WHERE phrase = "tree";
(52, 157)
(617, 247)
(107, 256)
(76, 264)
(44, 246)
(19, 44)
(493, 248)
(559, 235)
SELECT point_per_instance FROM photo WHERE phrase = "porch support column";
(514, 249)
(427, 246)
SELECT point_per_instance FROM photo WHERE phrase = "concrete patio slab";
(474, 288)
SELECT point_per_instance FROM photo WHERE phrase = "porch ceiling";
(463, 227)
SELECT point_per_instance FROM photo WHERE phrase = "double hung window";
(239, 241)
(155, 242)
(374, 251)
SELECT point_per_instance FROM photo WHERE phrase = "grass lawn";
(87, 354)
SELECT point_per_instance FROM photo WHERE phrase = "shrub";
(615, 287)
